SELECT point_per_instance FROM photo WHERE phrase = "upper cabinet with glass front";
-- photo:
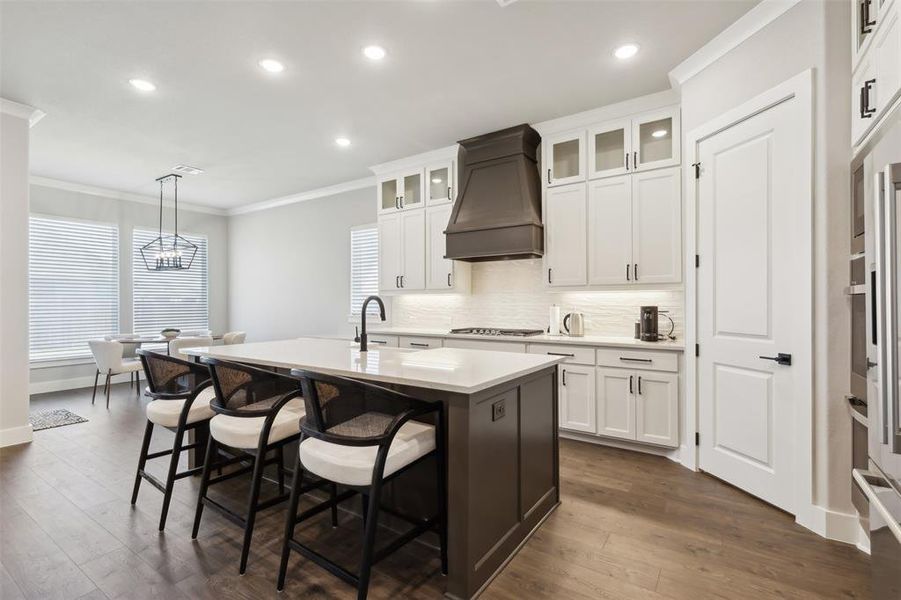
(564, 158)
(655, 139)
(401, 192)
(439, 183)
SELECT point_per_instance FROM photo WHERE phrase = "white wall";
(14, 137)
(128, 215)
(288, 270)
(814, 35)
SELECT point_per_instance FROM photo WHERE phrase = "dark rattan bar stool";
(360, 436)
(258, 412)
(181, 392)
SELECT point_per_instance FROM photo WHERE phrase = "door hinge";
(697, 438)
(697, 260)
(697, 167)
(697, 349)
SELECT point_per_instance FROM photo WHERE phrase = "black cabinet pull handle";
(401, 201)
(549, 176)
(639, 384)
(401, 281)
(562, 354)
(420, 345)
(635, 160)
(397, 281)
(564, 376)
(627, 272)
(397, 202)
(627, 161)
(641, 360)
(780, 359)
(449, 280)
(865, 111)
(549, 275)
(866, 25)
(635, 271)
(378, 341)
(448, 192)
(630, 384)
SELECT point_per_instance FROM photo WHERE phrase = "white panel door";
(577, 401)
(390, 248)
(610, 230)
(566, 231)
(752, 302)
(616, 403)
(440, 270)
(657, 408)
(657, 226)
(413, 253)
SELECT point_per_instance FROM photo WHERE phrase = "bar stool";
(257, 413)
(361, 436)
(181, 392)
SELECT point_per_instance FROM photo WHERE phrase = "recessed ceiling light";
(272, 65)
(626, 51)
(437, 180)
(142, 84)
(660, 133)
(374, 52)
(342, 141)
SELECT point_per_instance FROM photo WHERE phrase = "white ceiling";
(454, 69)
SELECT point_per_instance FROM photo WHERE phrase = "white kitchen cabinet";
(610, 230)
(876, 66)
(470, 344)
(403, 191)
(887, 54)
(566, 235)
(657, 226)
(656, 139)
(440, 183)
(864, 18)
(442, 274)
(863, 111)
(402, 251)
(564, 158)
(576, 398)
(616, 403)
(384, 341)
(657, 408)
(610, 149)
(419, 343)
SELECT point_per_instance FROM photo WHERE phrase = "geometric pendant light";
(169, 252)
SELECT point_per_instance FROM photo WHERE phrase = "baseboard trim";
(14, 436)
(671, 453)
(74, 383)
(833, 525)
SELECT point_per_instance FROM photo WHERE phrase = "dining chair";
(108, 358)
(180, 393)
(361, 436)
(176, 345)
(233, 337)
(258, 412)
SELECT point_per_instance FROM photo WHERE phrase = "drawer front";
(483, 345)
(419, 343)
(638, 359)
(574, 354)
(386, 341)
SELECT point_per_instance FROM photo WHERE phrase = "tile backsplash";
(511, 294)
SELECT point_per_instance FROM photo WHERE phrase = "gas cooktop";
(486, 331)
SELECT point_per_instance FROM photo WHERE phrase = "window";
(169, 298)
(364, 266)
(73, 295)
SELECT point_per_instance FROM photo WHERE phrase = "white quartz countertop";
(588, 340)
(448, 369)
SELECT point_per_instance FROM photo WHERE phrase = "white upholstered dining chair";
(108, 357)
(234, 337)
(178, 344)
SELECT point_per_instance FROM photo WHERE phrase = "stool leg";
(142, 460)
(441, 459)
(364, 500)
(369, 540)
(204, 483)
(252, 508)
(290, 522)
(94, 395)
(170, 477)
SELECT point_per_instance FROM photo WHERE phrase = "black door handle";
(564, 376)
(639, 384)
(781, 358)
(549, 176)
(630, 384)
(627, 161)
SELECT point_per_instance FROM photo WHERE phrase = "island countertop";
(447, 369)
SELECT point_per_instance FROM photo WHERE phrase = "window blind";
(73, 288)
(164, 299)
(364, 267)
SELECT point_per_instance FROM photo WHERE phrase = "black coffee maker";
(647, 316)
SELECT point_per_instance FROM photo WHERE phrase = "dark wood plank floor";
(630, 526)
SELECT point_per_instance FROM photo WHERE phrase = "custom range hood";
(497, 215)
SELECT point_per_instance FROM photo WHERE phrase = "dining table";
(138, 341)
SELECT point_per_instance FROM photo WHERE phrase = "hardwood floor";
(630, 526)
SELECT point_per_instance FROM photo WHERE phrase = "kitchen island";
(501, 411)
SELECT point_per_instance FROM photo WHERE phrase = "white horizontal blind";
(364, 266)
(164, 299)
(73, 287)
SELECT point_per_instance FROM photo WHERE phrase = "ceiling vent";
(185, 169)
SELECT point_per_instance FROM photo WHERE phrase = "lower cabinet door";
(657, 408)
(577, 403)
(616, 403)
(413, 254)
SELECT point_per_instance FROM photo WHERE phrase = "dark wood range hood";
(497, 215)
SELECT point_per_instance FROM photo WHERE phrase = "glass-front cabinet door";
(439, 183)
(610, 149)
(656, 139)
(389, 198)
(564, 158)
(411, 192)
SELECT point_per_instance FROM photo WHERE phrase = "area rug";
(53, 417)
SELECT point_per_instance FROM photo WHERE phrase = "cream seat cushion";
(353, 465)
(244, 432)
(166, 412)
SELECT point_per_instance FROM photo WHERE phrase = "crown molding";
(117, 195)
(606, 113)
(415, 161)
(347, 186)
(747, 25)
(22, 111)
